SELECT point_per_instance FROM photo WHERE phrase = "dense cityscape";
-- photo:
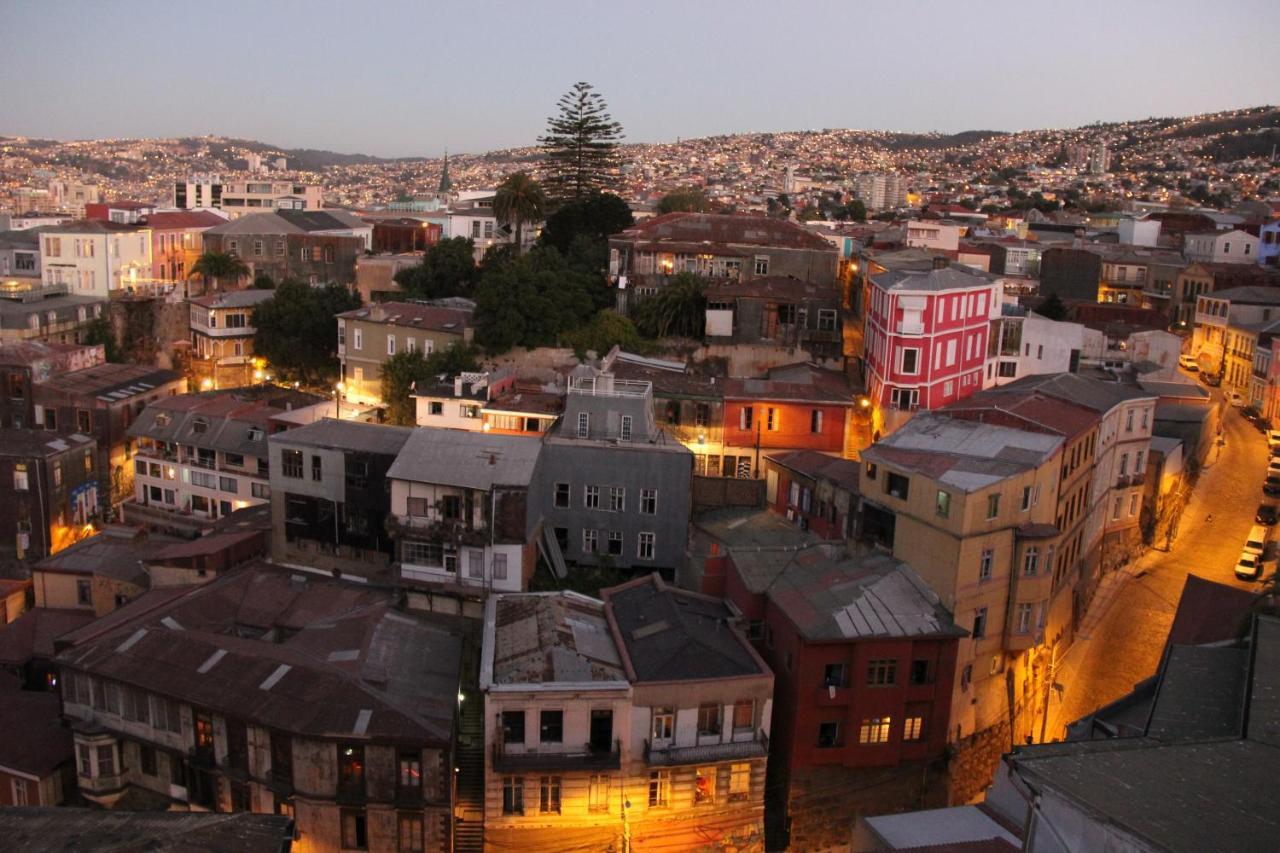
(818, 490)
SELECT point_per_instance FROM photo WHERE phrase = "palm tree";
(519, 199)
(678, 308)
(217, 266)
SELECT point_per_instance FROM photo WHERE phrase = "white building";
(236, 198)
(934, 234)
(881, 192)
(1224, 247)
(1139, 231)
(95, 258)
(1031, 344)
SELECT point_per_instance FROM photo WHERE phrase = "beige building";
(222, 338)
(368, 336)
(973, 506)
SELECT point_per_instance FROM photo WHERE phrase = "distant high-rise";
(1100, 160)
(881, 192)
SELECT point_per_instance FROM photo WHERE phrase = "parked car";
(1273, 466)
(1273, 440)
(1256, 541)
(1188, 363)
(1267, 514)
(1271, 485)
(1249, 566)
(1211, 379)
(1236, 399)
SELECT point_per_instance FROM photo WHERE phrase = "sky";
(413, 77)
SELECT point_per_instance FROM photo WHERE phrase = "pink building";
(176, 241)
(926, 339)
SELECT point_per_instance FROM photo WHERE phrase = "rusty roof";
(556, 637)
(713, 228)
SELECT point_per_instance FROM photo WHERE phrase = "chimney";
(941, 262)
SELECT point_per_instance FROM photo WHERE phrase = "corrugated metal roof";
(466, 459)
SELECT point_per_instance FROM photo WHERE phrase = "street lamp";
(337, 398)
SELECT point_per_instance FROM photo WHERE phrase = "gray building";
(330, 497)
(611, 486)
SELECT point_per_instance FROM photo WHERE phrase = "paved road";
(1124, 633)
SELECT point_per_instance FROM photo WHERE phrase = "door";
(771, 487)
(601, 730)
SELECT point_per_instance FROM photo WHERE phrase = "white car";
(1188, 363)
(1249, 566)
(1237, 399)
(1273, 440)
(1273, 466)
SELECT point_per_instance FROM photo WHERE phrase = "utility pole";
(1048, 689)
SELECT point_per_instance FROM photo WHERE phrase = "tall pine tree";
(581, 144)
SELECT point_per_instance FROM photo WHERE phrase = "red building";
(864, 658)
(816, 491)
(406, 234)
(926, 339)
(795, 407)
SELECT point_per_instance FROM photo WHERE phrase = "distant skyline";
(401, 78)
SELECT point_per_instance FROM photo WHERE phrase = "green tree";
(594, 217)
(581, 145)
(605, 331)
(519, 199)
(262, 281)
(99, 331)
(401, 371)
(296, 331)
(1052, 308)
(534, 299)
(679, 308)
(854, 211)
(218, 267)
(685, 200)
(448, 269)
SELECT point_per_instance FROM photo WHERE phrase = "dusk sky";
(412, 78)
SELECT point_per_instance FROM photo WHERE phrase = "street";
(1121, 638)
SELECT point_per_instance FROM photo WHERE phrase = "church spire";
(445, 183)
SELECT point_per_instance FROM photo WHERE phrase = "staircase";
(468, 808)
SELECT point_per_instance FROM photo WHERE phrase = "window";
(624, 432)
(664, 723)
(229, 484)
(659, 788)
(762, 264)
(584, 424)
(1115, 512)
(615, 543)
(291, 463)
(1128, 421)
(549, 795)
(317, 473)
(84, 420)
(1025, 614)
(913, 728)
(649, 501)
(513, 795)
(107, 760)
(897, 485)
(475, 563)
(702, 415)
(744, 417)
(590, 541)
(84, 593)
(351, 767)
(1026, 498)
(874, 730)
(984, 565)
(993, 506)
(357, 338)
(739, 782)
(704, 786)
(882, 673)
(828, 735)
(744, 715)
(551, 727)
(20, 796)
(617, 498)
(815, 421)
(499, 567)
(147, 760)
(909, 361)
(591, 497)
(709, 718)
(771, 419)
(826, 319)
(980, 623)
(20, 481)
(598, 793)
(513, 726)
(391, 344)
(410, 831)
(920, 672)
(355, 830)
(943, 504)
(645, 546)
(833, 675)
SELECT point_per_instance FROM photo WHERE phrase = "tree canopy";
(594, 217)
(448, 269)
(606, 330)
(685, 200)
(534, 299)
(519, 199)
(218, 267)
(402, 370)
(296, 331)
(678, 308)
(581, 145)
(1052, 308)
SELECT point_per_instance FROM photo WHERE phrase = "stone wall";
(974, 761)
(147, 328)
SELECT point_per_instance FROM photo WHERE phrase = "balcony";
(672, 756)
(606, 386)
(909, 328)
(584, 759)
(1128, 481)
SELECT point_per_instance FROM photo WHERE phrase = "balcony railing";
(607, 386)
(584, 759)
(905, 328)
(670, 756)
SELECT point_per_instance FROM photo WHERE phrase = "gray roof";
(1264, 697)
(472, 460)
(675, 635)
(553, 637)
(1181, 797)
(859, 598)
(290, 222)
(1248, 295)
(235, 298)
(1100, 395)
(1201, 693)
(347, 435)
(947, 278)
(79, 829)
(115, 551)
(940, 827)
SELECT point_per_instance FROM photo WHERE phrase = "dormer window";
(255, 434)
(199, 426)
(162, 419)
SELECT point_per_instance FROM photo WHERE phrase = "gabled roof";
(31, 635)
(356, 436)
(413, 315)
(714, 228)
(821, 466)
(933, 280)
(236, 421)
(1100, 395)
(245, 298)
(471, 460)
(780, 287)
(32, 737)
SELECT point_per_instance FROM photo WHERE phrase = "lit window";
(874, 730)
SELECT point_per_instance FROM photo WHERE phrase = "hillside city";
(816, 490)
